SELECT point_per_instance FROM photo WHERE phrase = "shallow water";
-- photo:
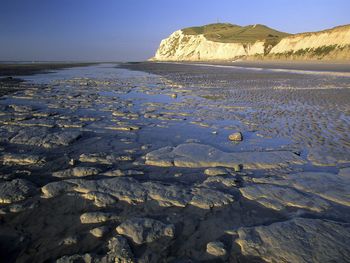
(117, 117)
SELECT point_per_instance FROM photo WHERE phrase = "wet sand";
(310, 109)
(104, 164)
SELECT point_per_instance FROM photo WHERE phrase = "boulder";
(216, 249)
(99, 231)
(236, 136)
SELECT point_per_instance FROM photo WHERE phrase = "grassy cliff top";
(229, 33)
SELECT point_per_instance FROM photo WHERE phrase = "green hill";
(229, 33)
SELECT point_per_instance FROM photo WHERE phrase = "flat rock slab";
(76, 172)
(297, 240)
(170, 195)
(207, 198)
(105, 192)
(220, 182)
(99, 231)
(97, 217)
(16, 190)
(216, 249)
(196, 155)
(22, 108)
(118, 172)
(332, 187)
(118, 250)
(22, 159)
(145, 230)
(280, 197)
(32, 123)
(43, 137)
(103, 158)
(121, 188)
(216, 171)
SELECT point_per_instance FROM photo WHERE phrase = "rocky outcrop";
(328, 44)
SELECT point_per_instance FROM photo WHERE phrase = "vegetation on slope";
(337, 49)
(323, 52)
(228, 33)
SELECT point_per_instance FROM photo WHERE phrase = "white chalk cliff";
(332, 43)
(179, 46)
(328, 44)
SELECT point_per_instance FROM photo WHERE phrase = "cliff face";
(183, 47)
(328, 44)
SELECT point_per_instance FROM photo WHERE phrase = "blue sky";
(130, 30)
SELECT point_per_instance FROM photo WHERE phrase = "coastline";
(334, 66)
(10, 73)
(13, 69)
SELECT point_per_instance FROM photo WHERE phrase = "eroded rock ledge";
(298, 240)
(105, 192)
(196, 155)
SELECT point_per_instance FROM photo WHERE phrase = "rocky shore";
(150, 162)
